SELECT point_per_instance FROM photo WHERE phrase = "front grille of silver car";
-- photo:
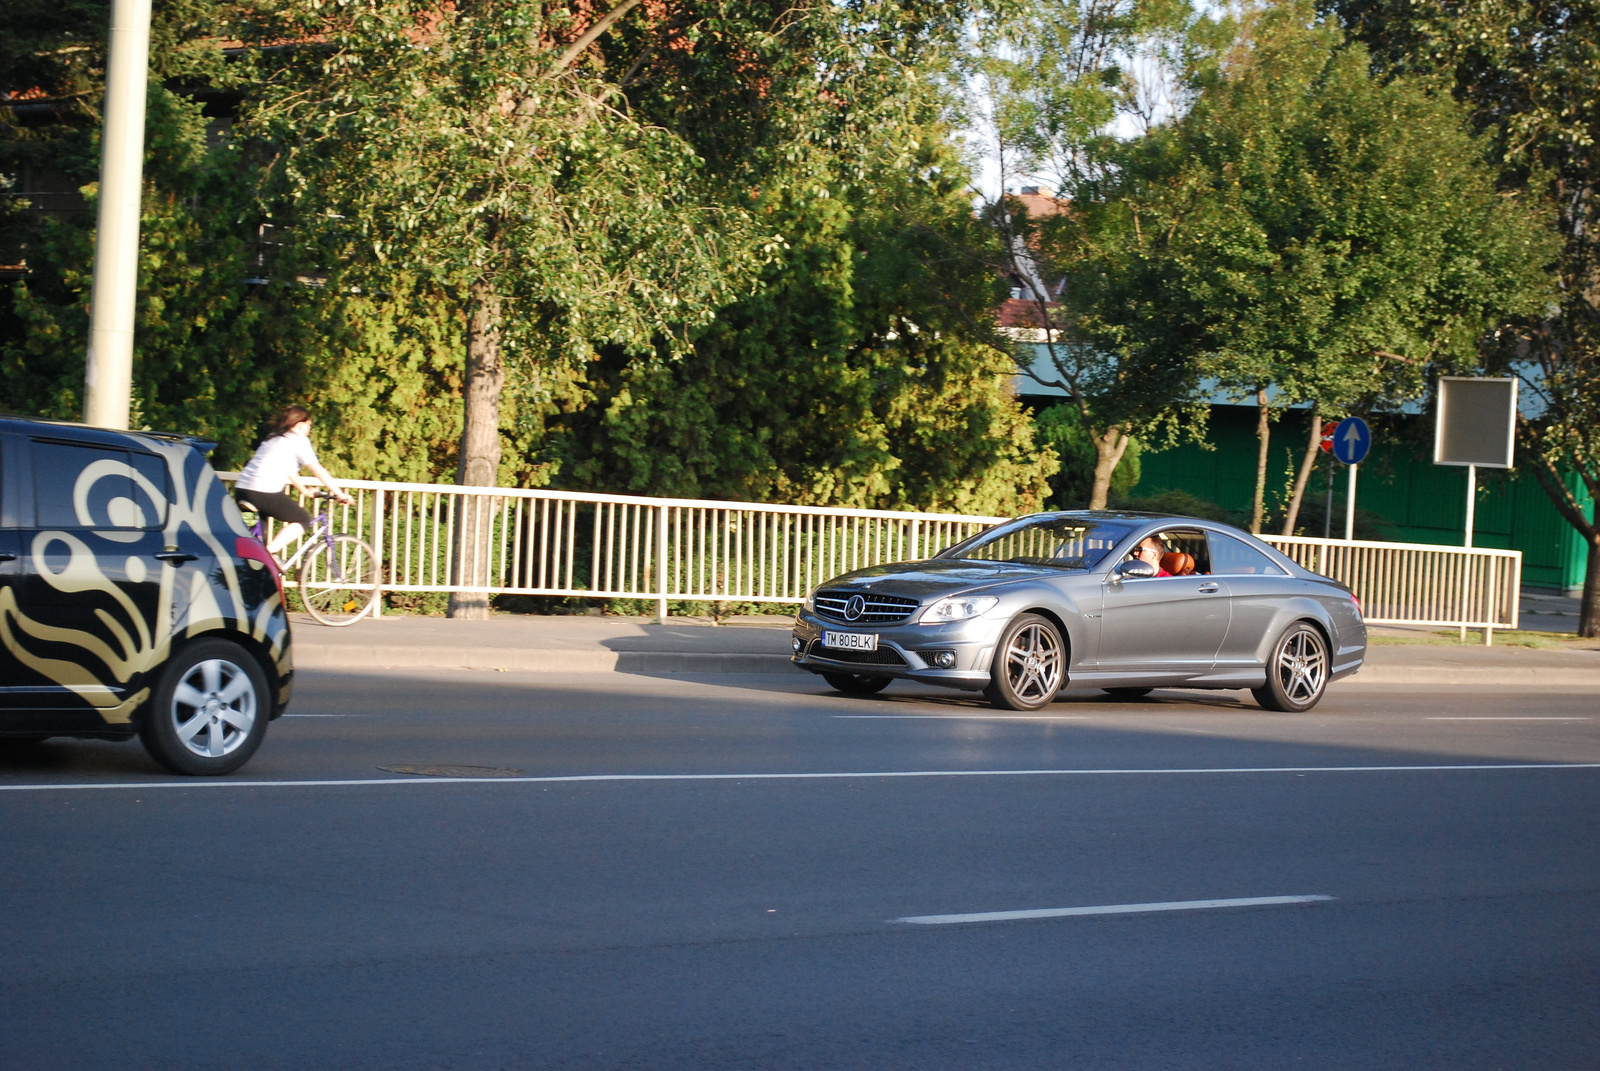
(879, 609)
(883, 656)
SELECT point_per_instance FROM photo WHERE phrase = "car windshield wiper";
(1054, 563)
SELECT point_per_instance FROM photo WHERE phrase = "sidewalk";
(579, 644)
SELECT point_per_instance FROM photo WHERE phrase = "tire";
(210, 710)
(1297, 671)
(1127, 693)
(341, 588)
(856, 683)
(1030, 665)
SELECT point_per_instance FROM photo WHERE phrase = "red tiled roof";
(1019, 312)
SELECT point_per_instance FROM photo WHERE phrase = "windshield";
(1062, 542)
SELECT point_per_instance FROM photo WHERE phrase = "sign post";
(1476, 426)
(1351, 441)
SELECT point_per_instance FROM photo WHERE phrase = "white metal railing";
(534, 542)
(1418, 583)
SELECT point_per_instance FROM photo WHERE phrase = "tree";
(1055, 75)
(1529, 71)
(1306, 233)
(214, 350)
(467, 148)
(863, 372)
(540, 163)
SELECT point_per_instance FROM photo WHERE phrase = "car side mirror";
(1138, 569)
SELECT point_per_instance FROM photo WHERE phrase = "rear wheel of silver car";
(1297, 671)
(1030, 665)
(209, 711)
(856, 683)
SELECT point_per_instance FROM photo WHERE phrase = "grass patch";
(1502, 638)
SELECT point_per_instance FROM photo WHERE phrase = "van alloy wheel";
(210, 710)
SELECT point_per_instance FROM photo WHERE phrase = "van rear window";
(82, 486)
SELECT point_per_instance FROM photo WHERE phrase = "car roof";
(105, 436)
(1129, 515)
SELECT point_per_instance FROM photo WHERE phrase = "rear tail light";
(1357, 602)
(246, 547)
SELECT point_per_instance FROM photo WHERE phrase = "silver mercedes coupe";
(1125, 602)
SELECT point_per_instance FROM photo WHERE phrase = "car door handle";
(1208, 588)
(174, 556)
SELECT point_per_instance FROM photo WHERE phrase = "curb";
(1479, 676)
(536, 661)
(588, 660)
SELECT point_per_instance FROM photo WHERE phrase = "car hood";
(935, 577)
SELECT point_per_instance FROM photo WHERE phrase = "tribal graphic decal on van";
(142, 555)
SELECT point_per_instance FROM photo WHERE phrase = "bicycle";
(338, 580)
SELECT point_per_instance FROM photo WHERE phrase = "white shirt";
(275, 461)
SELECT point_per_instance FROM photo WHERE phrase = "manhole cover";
(426, 770)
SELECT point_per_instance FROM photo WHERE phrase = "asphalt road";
(669, 915)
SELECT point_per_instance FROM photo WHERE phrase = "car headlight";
(811, 601)
(959, 608)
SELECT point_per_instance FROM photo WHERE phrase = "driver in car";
(1150, 550)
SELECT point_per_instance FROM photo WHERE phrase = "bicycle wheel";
(339, 588)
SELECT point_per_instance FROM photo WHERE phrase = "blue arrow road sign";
(1351, 440)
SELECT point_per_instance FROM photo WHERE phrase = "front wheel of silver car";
(1030, 665)
(210, 710)
(1297, 671)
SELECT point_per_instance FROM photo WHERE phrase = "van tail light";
(245, 547)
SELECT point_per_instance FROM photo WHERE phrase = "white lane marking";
(963, 717)
(366, 782)
(1111, 909)
(1518, 718)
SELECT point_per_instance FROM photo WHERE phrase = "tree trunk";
(1258, 507)
(479, 464)
(1307, 463)
(1109, 446)
(1589, 613)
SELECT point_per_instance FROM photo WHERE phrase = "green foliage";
(439, 144)
(862, 372)
(207, 357)
(1180, 503)
(1060, 427)
(853, 366)
(1308, 227)
(1529, 73)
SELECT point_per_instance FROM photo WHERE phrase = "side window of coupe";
(1184, 552)
(81, 486)
(1235, 556)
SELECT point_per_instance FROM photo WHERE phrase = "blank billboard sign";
(1477, 422)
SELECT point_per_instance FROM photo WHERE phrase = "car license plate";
(851, 641)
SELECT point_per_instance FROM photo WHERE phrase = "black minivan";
(133, 599)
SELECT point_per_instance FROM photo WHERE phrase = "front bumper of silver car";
(955, 655)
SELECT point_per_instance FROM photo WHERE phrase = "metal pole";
(108, 375)
(1350, 507)
(1327, 505)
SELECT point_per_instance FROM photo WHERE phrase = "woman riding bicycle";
(276, 464)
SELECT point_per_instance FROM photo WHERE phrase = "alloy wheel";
(214, 708)
(1303, 666)
(1033, 662)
